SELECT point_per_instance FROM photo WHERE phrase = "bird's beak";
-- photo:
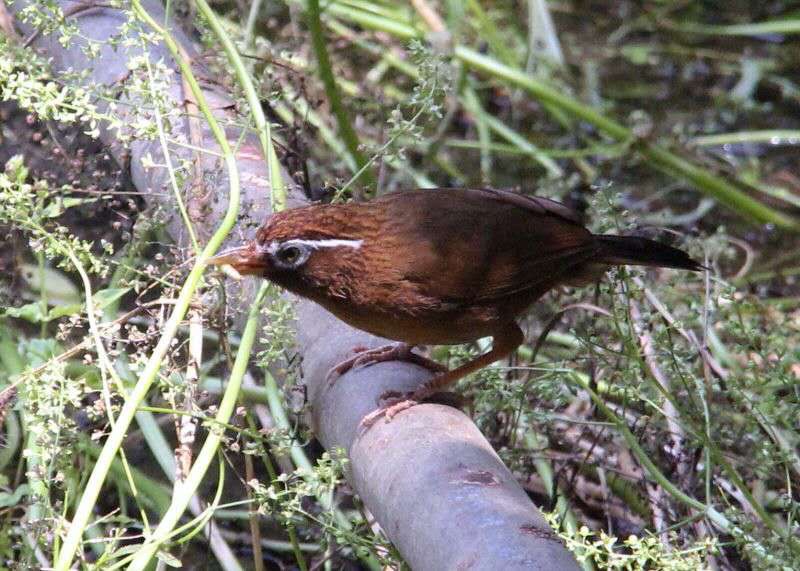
(246, 260)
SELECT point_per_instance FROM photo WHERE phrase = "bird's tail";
(633, 250)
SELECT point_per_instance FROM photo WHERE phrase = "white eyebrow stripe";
(316, 244)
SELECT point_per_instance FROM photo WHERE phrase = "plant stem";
(346, 130)
(656, 156)
(95, 483)
(716, 517)
(263, 128)
(186, 489)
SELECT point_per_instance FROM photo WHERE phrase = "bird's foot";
(393, 352)
(393, 403)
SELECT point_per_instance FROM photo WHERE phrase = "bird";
(440, 266)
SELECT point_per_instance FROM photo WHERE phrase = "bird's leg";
(504, 342)
(391, 352)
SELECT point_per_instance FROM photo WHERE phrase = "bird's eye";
(291, 255)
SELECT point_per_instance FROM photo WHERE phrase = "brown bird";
(437, 267)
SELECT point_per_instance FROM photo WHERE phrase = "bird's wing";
(473, 246)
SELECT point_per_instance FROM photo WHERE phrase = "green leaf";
(168, 559)
(57, 286)
(127, 550)
(33, 311)
(30, 312)
(57, 208)
(102, 299)
(63, 310)
(106, 297)
(12, 499)
(61, 292)
(15, 166)
(637, 54)
(38, 351)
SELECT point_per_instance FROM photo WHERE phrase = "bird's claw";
(393, 352)
(393, 403)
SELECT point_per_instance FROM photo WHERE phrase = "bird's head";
(296, 249)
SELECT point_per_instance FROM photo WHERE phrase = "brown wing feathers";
(521, 243)
(524, 243)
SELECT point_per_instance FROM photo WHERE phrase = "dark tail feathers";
(633, 250)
